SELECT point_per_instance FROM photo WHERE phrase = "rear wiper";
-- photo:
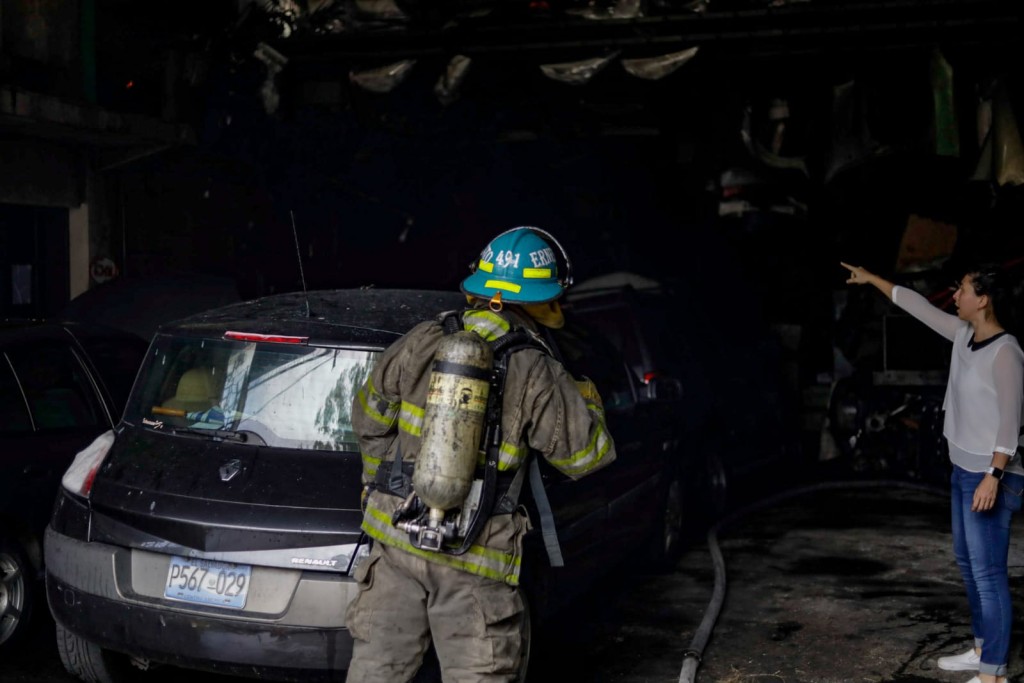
(215, 434)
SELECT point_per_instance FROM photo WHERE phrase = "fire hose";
(695, 652)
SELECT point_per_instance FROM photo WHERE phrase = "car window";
(59, 392)
(14, 417)
(587, 353)
(117, 360)
(618, 325)
(287, 395)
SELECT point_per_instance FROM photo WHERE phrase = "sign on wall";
(103, 269)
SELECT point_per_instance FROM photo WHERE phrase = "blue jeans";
(981, 542)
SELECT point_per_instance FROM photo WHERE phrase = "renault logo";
(229, 469)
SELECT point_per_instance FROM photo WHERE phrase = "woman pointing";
(983, 406)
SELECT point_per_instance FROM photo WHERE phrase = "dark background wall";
(398, 189)
(687, 179)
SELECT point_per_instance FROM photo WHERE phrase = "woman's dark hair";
(1004, 290)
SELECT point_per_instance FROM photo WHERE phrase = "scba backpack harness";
(448, 495)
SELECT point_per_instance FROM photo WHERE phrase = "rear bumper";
(97, 592)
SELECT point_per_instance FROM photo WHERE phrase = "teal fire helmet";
(521, 266)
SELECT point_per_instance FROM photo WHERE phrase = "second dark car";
(61, 385)
(218, 526)
(724, 384)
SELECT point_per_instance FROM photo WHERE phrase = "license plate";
(208, 582)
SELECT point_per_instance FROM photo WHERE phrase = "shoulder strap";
(505, 346)
(547, 517)
(451, 321)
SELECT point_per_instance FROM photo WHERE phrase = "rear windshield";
(281, 395)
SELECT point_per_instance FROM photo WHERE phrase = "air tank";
(453, 422)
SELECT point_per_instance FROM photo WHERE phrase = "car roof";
(367, 315)
(614, 284)
(12, 329)
(139, 304)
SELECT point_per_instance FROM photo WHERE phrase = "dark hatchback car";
(61, 385)
(727, 389)
(218, 526)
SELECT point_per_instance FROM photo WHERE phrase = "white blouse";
(985, 393)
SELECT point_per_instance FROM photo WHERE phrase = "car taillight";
(256, 337)
(82, 473)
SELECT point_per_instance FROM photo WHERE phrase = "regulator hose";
(694, 653)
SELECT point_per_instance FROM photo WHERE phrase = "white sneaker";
(968, 661)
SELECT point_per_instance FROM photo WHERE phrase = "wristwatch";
(996, 472)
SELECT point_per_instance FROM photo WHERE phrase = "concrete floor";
(852, 583)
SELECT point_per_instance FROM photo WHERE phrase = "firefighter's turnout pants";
(475, 621)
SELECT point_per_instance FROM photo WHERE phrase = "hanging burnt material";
(448, 85)
(577, 73)
(655, 68)
(382, 79)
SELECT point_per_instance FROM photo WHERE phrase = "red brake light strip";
(256, 337)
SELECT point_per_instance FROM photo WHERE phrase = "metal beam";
(807, 27)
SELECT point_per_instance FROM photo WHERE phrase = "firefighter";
(431, 580)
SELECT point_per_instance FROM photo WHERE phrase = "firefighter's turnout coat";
(542, 409)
